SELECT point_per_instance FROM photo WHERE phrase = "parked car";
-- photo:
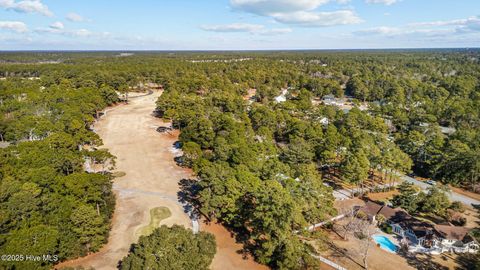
(431, 182)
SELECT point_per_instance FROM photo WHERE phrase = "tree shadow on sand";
(340, 253)
(423, 261)
(188, 195)
(467, 261)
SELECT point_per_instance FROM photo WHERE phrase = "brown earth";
(382, 196)
(229, 252)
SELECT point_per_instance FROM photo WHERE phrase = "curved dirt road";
(151, 178)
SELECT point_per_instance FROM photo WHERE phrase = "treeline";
(49, 205)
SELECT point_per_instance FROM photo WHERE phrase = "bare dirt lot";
(151, 179)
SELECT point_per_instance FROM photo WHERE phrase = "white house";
(455, 239)
(421, 236)
(282, 97)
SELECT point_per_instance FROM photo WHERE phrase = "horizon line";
(238, 50)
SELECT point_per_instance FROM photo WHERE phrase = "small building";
(282, 97)
(324, 121)
(445, 130)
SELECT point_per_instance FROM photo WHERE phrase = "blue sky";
(237, 24)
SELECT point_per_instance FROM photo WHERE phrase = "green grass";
(157, 214)
(118, 174)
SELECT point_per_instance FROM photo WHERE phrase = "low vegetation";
(157, 214)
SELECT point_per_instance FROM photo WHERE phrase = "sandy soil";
(151, 178)
(229, 255)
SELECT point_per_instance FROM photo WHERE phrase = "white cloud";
(268, 7)
(65, 32)
(382, 30)
(298, 12)
(234, 27)
(26, 6)
(468, 24)
(15, 26)
(303, 18)
(438, 31)
(398, 32)
(74, 17)
(384, 2)
(81, 33)
(275, 31)
(256, 29)
(57, 25)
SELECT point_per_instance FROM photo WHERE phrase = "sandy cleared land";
(151, 179)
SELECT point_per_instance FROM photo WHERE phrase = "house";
(419, 235)
(250, 96)
(324, 121)
(150, 85)
(370, 210)
(445, 130)
(413, 232)
(456, 239)
(282, 97)
(329, 100)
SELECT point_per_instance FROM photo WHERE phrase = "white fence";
(327, 261)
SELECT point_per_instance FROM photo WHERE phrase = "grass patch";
(157, 214)
(118, 174)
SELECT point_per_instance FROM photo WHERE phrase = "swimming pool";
(385, 243)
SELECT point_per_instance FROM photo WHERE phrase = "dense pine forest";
(261, 131)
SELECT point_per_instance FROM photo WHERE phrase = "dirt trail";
(151, 178)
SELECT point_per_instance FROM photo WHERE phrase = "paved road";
(452, 195)
(343, 194)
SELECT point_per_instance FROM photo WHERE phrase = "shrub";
(457, 206)
(386, 228)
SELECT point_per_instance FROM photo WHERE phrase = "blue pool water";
(385, 243)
